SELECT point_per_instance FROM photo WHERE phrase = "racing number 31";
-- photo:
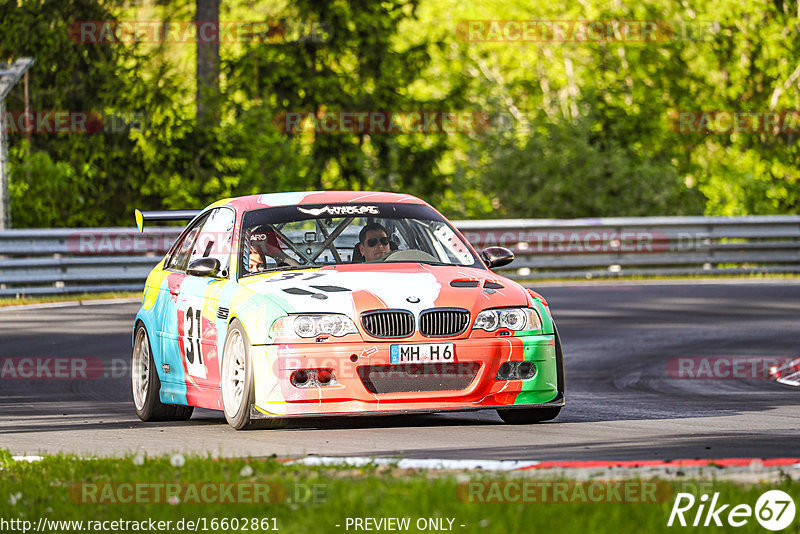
(191, 320)
(192, 342)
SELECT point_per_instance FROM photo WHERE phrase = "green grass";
(53, 488)
(13, 301)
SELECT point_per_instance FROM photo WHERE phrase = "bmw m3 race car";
(283, 305)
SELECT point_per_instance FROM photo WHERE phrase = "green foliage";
(161, 160)
(576, 129)
(592, 133)
(352, 64)
(66, 179)
(569, 171)
(48, 193)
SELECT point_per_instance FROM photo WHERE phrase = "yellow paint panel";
(139, 220)
(153, 285)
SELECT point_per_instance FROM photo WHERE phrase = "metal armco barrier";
(79, 260)
(625, 246)
(118, 259)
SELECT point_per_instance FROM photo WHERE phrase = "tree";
(207, 16)
(344, 59)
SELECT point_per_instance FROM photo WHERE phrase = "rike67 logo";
(774, 510)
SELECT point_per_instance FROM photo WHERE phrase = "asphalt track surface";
(625, 400)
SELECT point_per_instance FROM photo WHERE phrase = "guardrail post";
(8, 79)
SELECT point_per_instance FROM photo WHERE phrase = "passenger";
(264, 244)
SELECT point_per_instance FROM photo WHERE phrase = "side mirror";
(204, 267)
(497, 256)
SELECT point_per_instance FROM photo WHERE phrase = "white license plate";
(422, 353)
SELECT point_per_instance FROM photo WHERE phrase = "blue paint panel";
(172, 393)
(165, 310)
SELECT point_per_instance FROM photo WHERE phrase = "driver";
(373, 242)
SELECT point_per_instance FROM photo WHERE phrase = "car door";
(200, 323)
(169, 320)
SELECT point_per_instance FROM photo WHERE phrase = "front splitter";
(557, 402)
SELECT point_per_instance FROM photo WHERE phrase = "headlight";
(308, 325)
(511, 318)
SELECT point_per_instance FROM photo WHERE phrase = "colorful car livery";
(274, 306)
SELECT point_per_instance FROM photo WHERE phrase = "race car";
(330, 303)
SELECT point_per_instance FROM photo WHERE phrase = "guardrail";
(71, 260)
(625, 246)
(77, 260)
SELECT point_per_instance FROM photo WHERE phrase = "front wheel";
(146, 385)
(524, 416)
(238, 387)
(238, 392)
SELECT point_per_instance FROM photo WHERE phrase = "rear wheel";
(146, 385)
(523, 416)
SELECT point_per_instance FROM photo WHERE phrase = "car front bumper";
(477, 361)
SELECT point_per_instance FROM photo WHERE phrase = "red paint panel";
(195, 396)
(174, 281)
(333, 197)
(365, 300)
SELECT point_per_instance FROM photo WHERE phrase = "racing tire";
(525, 416)
(145, 384)
(236, 382)
(522, 416)
(559, 360)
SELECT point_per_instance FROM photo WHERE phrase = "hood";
(353, 289)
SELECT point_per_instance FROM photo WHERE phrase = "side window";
(180, 257)
(454, 249)
(214, 240)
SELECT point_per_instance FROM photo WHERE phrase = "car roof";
(316, 197)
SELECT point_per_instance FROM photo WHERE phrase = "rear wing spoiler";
(163, 215)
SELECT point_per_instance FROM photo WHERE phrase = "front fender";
(256, 312)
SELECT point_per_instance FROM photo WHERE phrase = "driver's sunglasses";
(374, 241)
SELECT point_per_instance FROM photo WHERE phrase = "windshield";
(334, 234)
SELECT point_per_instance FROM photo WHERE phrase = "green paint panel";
(543, 386)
